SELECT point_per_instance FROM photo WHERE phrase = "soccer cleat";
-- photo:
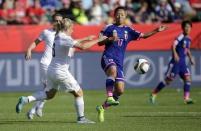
(39, 112)
(188, 101)
(152, 99)
(100, 111)
(30, 115)
(22, 100)
(83, 120)
(111, 101)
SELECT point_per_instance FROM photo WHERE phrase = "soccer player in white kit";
(47, 36)
(58, 75)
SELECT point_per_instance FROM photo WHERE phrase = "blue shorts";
(177, 68)
(107, 62)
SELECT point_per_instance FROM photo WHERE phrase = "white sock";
(33, 109)
(41, 95)
(79, 106)
(41, 104)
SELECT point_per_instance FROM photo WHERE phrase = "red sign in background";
(16, 39)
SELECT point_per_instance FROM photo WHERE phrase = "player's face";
(56, 19)
(187, 29)
(120, 16)
(70, 30)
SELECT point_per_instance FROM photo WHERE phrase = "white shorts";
(43, 73)
(62, 80)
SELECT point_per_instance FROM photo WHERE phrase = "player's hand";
(192, 61)
(176, 58)
(113, 38)
(161, 28)
(102, 38)
(28, 55)
(91, 37)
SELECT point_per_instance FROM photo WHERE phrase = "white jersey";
(48, 36)
(61, 50)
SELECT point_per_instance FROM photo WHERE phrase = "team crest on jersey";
(126, 35)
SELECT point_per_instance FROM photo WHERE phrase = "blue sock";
(109, 86)
(187, 86)
(160, 86)
(187, 90)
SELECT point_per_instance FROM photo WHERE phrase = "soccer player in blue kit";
(177, 65)
(119, 35)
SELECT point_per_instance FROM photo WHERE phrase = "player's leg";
(48, 93)
(71, 85)
(171, 73)
(185, 75)
(38, 106)
(119, 84)
(110, 68)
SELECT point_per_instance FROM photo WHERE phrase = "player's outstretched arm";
(89, 44)
(88, 38)
(159, 29)
(30, 48)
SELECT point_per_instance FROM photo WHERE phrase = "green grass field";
(133, 114)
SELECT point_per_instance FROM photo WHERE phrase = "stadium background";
(23, 20)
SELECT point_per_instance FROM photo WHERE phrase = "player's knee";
(51, 93)
(78, 93)
(168, 81)
(112, 72)
(187, 79)
(119, 91)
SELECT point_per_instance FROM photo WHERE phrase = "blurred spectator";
(196, 4)
(36, 13)
(79, 13)
(66, 10)
(96, 13)
(164, 12)
(50, 4)
(186, 9)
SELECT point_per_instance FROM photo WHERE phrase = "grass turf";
(134, 113)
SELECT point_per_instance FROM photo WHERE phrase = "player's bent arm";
(89, 44)
(88, 38)
(30, 48)
(105, 40)
(190, 57)
(175, 55)
(153, 32)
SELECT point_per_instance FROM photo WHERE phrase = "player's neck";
(119, 24)
(185, 34)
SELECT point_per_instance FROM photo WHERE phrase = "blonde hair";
(64, 25)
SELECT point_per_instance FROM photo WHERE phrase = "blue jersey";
(116, 49)
(182, 43)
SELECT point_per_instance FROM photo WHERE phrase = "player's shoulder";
(109, 26)
(180, 37)
(48, 30)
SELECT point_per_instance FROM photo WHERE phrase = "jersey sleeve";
(69, 42)
(133, 34)
(42, 36)
(105, 31)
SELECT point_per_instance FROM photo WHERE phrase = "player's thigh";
(109, 66)
(69, 83)
(185, 74)
(172, 71)
(112, 71)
